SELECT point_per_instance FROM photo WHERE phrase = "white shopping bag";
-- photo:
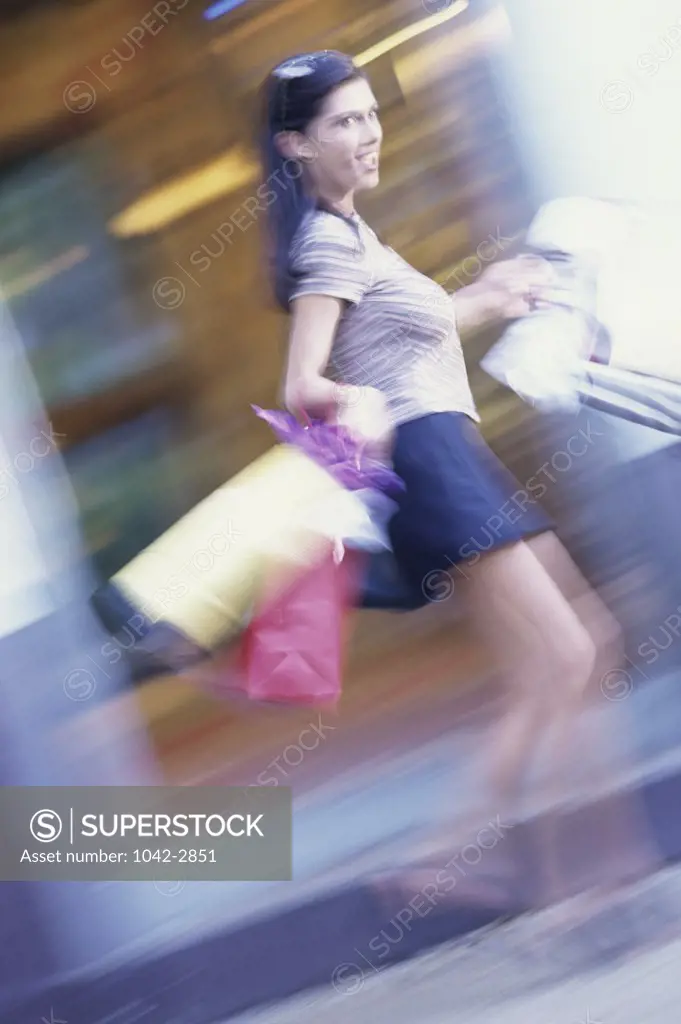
(358, 519)
(538, 357)
(541, 357)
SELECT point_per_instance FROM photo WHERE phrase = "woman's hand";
(504, 291)
(311, 398)
(364, 412)
(515, 287)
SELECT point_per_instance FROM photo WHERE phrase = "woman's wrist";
(476, 305)
(316, 398)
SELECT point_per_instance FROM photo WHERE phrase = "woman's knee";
(573, 659)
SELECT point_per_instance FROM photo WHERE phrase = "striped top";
(398, 332)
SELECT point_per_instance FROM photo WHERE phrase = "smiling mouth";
(369, 161)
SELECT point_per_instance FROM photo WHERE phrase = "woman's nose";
(372, 133)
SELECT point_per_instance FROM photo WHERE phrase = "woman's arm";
(314, 319)
(504, 291)
(475, 305)
(307, 392)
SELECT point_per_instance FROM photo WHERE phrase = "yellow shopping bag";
(204, 574)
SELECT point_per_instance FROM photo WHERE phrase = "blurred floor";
(203, 735)
(400, 757)
(620, 967)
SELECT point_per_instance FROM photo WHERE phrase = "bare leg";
(546, 658)
(552, 640)
(599, 622)
(627, 849)
(542, 648)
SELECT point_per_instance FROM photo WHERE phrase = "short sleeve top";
(398, 329)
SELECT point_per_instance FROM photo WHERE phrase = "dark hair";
(292, 96)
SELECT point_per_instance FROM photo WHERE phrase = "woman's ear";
(287, 144)
(295, 146)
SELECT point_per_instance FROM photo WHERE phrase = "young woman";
(355, 305)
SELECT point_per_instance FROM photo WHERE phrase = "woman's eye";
(348, 121)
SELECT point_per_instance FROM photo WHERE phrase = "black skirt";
(460, 501)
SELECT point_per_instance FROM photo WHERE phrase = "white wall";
(595, 89)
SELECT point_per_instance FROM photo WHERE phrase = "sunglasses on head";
(298, 67)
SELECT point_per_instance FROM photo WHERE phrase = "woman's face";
(342, 144)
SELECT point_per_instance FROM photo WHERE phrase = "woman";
(356, 304)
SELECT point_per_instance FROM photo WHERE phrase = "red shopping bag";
(292, 650)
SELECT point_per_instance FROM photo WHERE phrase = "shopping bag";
(198, 581)
(636, 397)
(538, 358)
(604, 336)
(194, 589)
(292, 650)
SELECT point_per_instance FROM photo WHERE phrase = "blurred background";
(132, 267)
(131, 253)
